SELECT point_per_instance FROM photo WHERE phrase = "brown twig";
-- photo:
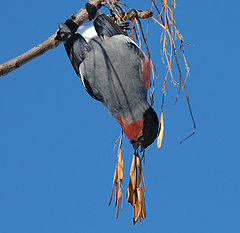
(183, 83)
(132, 14)
(169, 26)
(50, 43)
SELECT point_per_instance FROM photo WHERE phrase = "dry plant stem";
(166, 26)
(114, 184)
(117, 179)
(120, 178)
(138, 33)
(186, 95)
(124, 15)
(48, 44)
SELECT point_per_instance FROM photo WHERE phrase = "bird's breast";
(133, 130)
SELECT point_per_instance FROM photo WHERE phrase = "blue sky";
(56, 143)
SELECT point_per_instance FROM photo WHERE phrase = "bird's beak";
(136, 144)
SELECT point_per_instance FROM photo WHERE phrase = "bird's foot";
(117, 179)
(135, 193)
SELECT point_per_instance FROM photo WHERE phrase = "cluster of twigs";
(171, 33)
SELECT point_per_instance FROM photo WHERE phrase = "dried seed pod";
(143, 182)
(116, 185)
(133, 173)
(160, 135)
(131, 193)
(134, 197)
(136, 212)
(143, 212)
(120, 164)
(138, 168)
(131, 196)
(120, 196)
(115, 180)
(138, 206)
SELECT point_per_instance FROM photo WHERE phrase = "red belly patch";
(133, 130)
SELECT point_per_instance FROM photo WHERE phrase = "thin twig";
(166, 22)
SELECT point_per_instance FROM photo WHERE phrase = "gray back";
(114, 72)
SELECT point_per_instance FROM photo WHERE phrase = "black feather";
(92, 10)
(76, 48)
(105, 26)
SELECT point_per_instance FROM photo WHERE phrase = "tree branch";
(50, 43)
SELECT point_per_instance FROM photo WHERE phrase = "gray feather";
(113, 70)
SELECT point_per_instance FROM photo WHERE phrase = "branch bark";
(49, 43)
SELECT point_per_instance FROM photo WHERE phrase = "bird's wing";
(106, 27)
(76, 48)
(145, 65)
(75, 45)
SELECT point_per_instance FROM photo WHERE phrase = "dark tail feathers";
(92, 11)
(66, 30)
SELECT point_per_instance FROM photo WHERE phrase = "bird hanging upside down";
(116, 72)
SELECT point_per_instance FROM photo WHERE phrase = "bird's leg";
(117, 179)
(135, 193)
